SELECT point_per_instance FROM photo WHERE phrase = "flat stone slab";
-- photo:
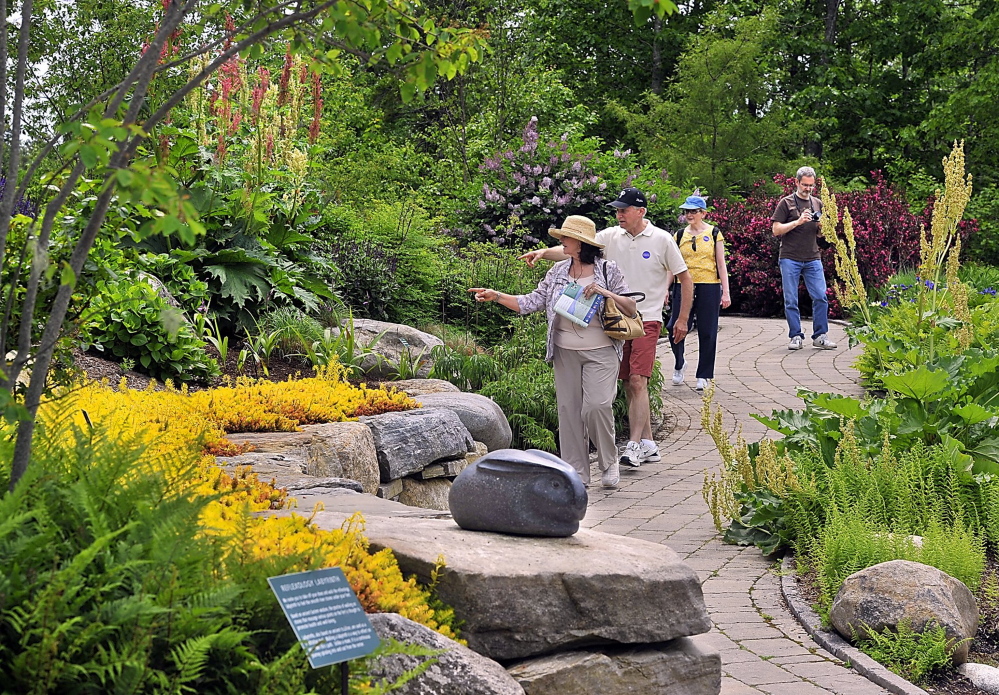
(680, 667)
(523, 596)
(342, 503)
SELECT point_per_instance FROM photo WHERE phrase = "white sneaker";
(648, 453)
(678, 375)
(797, 342)
(823, 343)
(611, 477)
(701, 384)
(631, 455)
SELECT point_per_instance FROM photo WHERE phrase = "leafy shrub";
(128, 319)
(485, 265)
(179, 279)
(983, 246)
(903, 328)
(525, 189)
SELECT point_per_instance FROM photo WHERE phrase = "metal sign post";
(327, 618)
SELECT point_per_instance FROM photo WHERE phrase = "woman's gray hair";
(803, 172)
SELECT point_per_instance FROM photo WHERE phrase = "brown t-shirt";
(801, 243)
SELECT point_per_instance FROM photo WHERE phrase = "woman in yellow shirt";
(703, 249)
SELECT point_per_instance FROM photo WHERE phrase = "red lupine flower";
(285, 77)
(259, 92)
(317, 107)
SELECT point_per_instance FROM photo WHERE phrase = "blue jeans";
(791, 273)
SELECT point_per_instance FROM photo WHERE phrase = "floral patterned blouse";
(608, 276)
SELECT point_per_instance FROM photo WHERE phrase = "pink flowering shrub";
(887, 235)
(526, 190)
(522, 192)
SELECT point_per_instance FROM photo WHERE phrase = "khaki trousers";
(585, 386)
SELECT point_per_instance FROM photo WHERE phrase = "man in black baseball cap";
(645, 254)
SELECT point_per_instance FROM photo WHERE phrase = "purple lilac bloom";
(546, 182)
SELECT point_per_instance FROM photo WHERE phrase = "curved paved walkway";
(763, 648)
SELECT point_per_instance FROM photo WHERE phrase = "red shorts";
(640, 354)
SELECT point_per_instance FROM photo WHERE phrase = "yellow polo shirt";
(701, 262)
(644, 259)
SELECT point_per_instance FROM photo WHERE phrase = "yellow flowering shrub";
(265, 406)
(375, 577)
(183, 431)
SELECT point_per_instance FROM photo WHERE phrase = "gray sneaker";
(796, 343)
(823, 343)
(648, 453)
(631, 455)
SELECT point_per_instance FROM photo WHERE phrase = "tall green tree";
(718, 123)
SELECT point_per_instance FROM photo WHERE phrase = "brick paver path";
(763, 648)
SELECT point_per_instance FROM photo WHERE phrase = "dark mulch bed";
(984, 648)
(94, 366)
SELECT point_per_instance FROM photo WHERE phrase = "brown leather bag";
(619, 325)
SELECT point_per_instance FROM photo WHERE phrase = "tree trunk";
(657, 57)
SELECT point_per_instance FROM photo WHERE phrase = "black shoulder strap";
(714, 235)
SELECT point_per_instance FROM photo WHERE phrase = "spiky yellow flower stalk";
(958, 297)
(851, 293)
(769, 470)
(947, 213)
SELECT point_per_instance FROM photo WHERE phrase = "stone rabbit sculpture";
(528, 493)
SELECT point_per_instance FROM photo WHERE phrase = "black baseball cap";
(630, 197)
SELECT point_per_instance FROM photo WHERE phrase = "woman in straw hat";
(585, 359)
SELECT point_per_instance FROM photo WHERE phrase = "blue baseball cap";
(694, 202)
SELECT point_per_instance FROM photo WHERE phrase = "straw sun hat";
(577, 227)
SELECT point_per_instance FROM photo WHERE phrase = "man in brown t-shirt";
(796, 225)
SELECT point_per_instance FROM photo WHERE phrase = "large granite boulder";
(426, 494)
(891, 592)
(390, 343)
(410, 441)
(457, 670)
(982, 676)
(531, 493)
(480, 414)
(521, 597)
(679, 667)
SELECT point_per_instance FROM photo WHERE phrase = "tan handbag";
(617, 324)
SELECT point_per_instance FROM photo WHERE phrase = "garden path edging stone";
(833, 643)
